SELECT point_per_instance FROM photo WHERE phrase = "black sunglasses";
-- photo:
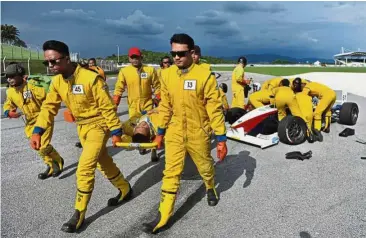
(179, 53)
(53, 62)
(166, 62)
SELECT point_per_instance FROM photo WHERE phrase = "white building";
(350, 58)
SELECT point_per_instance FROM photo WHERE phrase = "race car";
(260, 127)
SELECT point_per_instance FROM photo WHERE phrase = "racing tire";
(348, 114)
(292, 130)
(233, 114)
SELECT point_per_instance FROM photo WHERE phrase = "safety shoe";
(75, 222)
(151, 227)
(326, 130)
(78, 144)
(318, 135)
(143, 151)
(58, 168)
(119, 199)
(46, 174)
(212, 198)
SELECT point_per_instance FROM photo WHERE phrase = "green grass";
(19, 53)
(282, 71)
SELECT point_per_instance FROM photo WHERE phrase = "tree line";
(10, 35)
(155, 57)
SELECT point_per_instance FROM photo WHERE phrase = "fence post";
(4, 63)
(29, 66)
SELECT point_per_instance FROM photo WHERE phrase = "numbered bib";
(143, 75)
(77, 89)
(27, 94)
(190, 84)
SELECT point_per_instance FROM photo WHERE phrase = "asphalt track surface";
(262, 194)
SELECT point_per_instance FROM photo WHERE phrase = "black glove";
(298, 155)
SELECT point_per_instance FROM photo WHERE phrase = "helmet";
(297, 84)
(256, 87)
(98, 70)
(242, 60)
(223, 86)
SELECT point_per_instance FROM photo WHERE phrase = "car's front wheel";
(292, 130)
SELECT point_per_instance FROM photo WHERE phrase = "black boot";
(119, 199)
(318, 135)
(212, 198)
(143, 151)
(154, 156)
(45, 174)
(76, 221)
(150, 227)
(56, 168)
(78, 144)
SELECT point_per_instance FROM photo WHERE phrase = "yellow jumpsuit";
(263, 96)
(140, 85)
(129, 125)
(205, 65)
(284, 98)
(190, 106)
(237, 87)
(29, 98)
(86, 95)
(327, 98)
(224, 101)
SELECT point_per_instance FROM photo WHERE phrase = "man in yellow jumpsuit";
(190, 106)
(29, 98)
(140, 80)
(326, 96)
(86, 95)
(165, 63)
(197, 56)
(223, 91)
(238, 83)
(263, 96)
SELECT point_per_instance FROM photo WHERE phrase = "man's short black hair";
(140, 138)
(285, 82)
(183, 38)
(93, 59)
(58, 46)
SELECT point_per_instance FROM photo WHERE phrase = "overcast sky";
(300, 29)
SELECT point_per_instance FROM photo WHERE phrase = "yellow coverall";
(140, 85)
(284, 97)
(224, 101)
(189, 108)
(86, 95)
(205, 65)
(262, 97)
(327, 98)
(29, 98)
(129, 125)
(237, 87)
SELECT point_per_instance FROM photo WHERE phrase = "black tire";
(233, 114)
(348, 114)
(292, 130)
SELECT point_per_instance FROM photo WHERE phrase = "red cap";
(134, 51)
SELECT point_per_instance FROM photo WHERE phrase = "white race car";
(260, 127)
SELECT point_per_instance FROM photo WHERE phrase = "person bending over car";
(326, 96)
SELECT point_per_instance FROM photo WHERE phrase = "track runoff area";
(262, 194)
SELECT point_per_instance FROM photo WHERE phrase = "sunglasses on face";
(166, 62)
(52, 62)
(179, 53)
(134, 57)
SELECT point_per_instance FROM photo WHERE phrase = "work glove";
(116, 99)
(159, 140)
(116, 139)
(221, 150)
(68, 116)
(157, 100)
(35, 141)
(14, 114)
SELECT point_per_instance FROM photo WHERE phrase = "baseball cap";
(14, 70)
(134, 51)
(197, 49)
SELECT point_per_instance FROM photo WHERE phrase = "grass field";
(282, 71)
(19, 53)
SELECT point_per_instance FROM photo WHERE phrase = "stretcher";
(142, 148)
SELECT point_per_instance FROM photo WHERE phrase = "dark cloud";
(211, 17)
(70, 15)
(342, 4)
(245, 7)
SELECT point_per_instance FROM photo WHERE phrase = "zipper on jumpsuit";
(184, 122)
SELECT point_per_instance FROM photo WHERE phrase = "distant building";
(350, 58)
(317, 63)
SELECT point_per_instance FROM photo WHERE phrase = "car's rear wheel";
(292, 130)
(348, 114)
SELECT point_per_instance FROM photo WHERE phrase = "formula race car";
(260, 127)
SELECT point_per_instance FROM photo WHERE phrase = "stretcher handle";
(130, 145)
